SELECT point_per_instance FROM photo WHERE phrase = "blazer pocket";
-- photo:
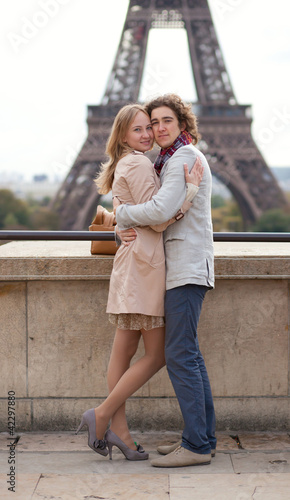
(174, 236)
(175, 249)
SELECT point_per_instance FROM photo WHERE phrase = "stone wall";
(55, 338)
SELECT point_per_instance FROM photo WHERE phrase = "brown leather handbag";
(104, 221)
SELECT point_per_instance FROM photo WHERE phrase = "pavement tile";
(131, 486)
(53, 441)
(59, 462)
(261, 462)
(264, 441)
(206, 493)
(225, 442)
(60, 465)
(84, 462)
(277, 493)
(230, 480)
(25, 486)
(69, 441)
(230, 487)
(90, 462)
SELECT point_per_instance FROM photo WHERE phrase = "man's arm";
(166, 203)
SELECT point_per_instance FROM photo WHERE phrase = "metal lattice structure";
(225, 126)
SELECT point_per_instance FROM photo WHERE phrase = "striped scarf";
(182, 140)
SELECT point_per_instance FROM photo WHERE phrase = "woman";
(137, 285)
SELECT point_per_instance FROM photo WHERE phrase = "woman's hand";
(196, 174)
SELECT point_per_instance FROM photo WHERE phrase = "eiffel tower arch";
(225, 126)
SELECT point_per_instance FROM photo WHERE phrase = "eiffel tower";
(225, 126)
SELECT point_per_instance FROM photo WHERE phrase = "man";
(189, 274)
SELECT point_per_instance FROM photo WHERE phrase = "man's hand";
(196, 174)
(126, 235)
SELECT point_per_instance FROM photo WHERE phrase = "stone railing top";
(50, 260)
(48, 249)
(64, 249)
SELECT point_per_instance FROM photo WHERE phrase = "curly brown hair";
(182, 110)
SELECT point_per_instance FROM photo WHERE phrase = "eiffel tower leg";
(77, 199)
(235, 159)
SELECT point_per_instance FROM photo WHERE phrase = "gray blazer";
(189, 241)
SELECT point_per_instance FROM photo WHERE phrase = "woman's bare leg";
(133, 378)
(124, 347)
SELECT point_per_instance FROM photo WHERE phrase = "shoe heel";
(113, 440)
(110, 446)
(80, 426)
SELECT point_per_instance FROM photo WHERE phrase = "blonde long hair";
(116, 148)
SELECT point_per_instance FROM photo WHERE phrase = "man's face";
(165, 126)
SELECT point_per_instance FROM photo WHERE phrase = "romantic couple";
(161, 273)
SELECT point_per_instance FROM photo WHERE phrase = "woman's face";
(139, 135)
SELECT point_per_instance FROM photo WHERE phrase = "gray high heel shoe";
(113, 440)
(97, 445)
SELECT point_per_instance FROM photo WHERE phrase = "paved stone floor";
(60, 466)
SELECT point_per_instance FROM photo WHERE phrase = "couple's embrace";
(161, 273)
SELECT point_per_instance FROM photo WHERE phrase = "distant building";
(40, 178)
(40, 187)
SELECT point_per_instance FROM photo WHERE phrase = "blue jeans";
(186, 367)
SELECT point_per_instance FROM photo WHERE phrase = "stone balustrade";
(55, 338)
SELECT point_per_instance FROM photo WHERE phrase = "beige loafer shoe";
(168, 448)
(181, 457)
(164, 449)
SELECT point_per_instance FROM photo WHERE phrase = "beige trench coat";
(137, 282)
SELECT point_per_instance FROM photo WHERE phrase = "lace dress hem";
(131, 321)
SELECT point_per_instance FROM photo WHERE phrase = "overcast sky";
(56, 60)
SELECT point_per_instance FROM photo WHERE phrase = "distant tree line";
(16, 213)
(226, 216)
(26, 214)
